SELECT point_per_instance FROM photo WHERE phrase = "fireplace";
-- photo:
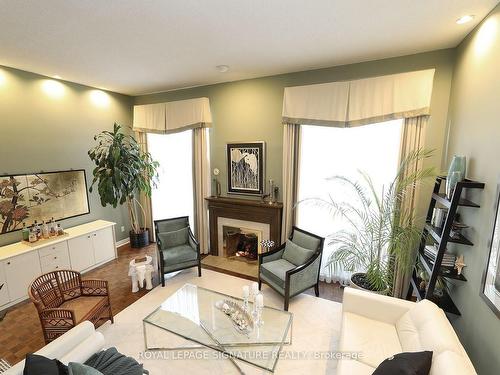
(240, 239)
(237, 226)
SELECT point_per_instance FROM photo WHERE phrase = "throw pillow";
(36, 364)
(75, 368)
(295, 254)
(175, 238)
(418, 363)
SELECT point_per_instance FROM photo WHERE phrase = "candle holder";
(259, 322)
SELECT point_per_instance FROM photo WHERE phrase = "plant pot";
(356, 282)
(139, 239)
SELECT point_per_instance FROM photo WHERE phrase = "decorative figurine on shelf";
(459, 264)
(216, 189)
(271, 192)
(267, 245)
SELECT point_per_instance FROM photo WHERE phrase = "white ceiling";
(136, 47)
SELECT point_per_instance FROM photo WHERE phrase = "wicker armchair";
(64, 300)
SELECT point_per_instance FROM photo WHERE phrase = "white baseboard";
(122, 242)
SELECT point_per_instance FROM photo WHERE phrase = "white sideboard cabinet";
(84, 247)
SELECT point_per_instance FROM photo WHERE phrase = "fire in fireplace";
(241, 243)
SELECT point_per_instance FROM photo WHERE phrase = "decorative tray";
(44, 240)
(241, 319)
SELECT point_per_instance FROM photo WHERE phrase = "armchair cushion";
(175, 238)
(82, 306)
(295, 254)
(276, 271)
(305, 240)
(179, 254)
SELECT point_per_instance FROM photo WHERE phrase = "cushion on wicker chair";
(175, 238)
(84, 306)
(295, 254)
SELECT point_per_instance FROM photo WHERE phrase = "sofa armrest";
(68, 342)
(374, 306)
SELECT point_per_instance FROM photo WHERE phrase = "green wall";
(475, 132)
(39, 132)
(251, 109)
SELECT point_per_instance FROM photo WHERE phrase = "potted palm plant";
(383, 232)
(122, 171)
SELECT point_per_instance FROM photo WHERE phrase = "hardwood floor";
(20, 331)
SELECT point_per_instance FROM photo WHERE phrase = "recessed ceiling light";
(57, 77)
(465, 19)
(222, 68)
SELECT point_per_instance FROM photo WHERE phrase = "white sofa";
(379, 326)
(76, 345)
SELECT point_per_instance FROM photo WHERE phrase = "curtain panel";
(359, 102)
(145, 200)
(202, 186)
(412, 139)
(291, 149)
(172, 117)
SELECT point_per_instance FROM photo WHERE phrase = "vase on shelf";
(456, 173)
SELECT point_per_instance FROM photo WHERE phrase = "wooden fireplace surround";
(243, 209)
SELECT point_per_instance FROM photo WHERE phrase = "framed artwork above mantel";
(245, 167)
(25, 198)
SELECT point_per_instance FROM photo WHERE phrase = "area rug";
(232, 265)
(316, 330)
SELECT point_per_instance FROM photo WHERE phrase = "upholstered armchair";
(294, 266)
(64, 300)
(177, 247)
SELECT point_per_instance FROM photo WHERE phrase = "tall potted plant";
(383, 232)
(122, 171)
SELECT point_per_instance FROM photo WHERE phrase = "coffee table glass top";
(191, 313)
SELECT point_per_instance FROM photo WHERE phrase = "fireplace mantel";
(243, 209)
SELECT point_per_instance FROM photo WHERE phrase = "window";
(326, 152)
(173, 196)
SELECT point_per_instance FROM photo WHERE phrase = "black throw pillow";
(39, 365)
(418, 363)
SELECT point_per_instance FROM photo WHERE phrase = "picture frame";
(25, 198)
(245, 167)
(490, 283)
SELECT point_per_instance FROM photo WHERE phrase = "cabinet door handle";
(53, 247)
(88, 236)
(8, 263)
(57, 267)
(55, 257)
(95, 234)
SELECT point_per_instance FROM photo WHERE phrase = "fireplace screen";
(241, 243)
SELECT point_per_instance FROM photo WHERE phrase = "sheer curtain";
(328, 151)
(173, 196)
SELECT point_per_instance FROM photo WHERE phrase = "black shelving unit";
(441, 236)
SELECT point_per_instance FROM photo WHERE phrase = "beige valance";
(171, 117)
(360, 102)
(316, 104)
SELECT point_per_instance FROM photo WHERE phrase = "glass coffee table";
(192, 316)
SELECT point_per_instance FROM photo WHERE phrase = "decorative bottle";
(45, 230)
